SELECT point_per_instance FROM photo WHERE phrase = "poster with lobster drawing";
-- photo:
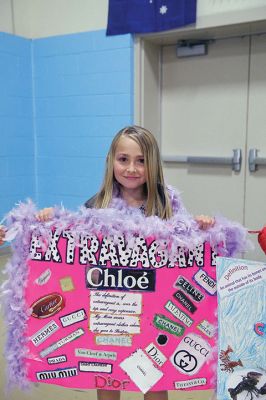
(241, 290)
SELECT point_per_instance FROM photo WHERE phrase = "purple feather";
(180, 230)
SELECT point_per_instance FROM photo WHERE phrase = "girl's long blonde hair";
(158, 202)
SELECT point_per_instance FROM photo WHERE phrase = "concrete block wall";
(62, 100)
(83, 87)
(17, 144)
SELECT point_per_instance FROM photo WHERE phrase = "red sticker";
(48, 305)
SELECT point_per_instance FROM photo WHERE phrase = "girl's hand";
(2, 234)
(45, 214)
(205, 222)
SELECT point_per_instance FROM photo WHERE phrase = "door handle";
(234, 162)
(254, 161)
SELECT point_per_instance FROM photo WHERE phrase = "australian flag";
(143, 16)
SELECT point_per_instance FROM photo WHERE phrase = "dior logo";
(155, 354)
(102, 382)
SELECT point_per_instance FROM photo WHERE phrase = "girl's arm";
(45, 214)
(2, 234)
(204, 221)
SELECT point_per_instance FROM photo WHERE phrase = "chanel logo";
(185, 361)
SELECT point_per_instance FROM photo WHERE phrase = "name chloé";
(120, 279)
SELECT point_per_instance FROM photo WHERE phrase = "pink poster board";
(109, 300)
(114, 315)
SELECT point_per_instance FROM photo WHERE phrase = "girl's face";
(129, 168)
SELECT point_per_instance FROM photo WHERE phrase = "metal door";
(210, 106)
(255, 193)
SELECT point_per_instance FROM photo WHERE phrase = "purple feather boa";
(180, 230)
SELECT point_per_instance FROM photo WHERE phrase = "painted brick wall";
(83, 86)
(17, 166)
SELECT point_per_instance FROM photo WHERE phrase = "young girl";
(134, 180)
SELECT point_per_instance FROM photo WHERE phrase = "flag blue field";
(143, 16)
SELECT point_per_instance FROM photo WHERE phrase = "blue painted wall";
(17, 165)
(83, 96)
(62, 100)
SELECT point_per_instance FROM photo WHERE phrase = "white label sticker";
(44, 277)
(57, 373)
(67, 339)
(157, 356)
(70, 319)
(56, 360)
(114, 324)
(115, 302)
(141, 370)
(190, 383)
(190, 354)
(108, 355)
(95, 367)
(179, 314)
(205, 281)
(112, 340)
(207, 328)
(44, 333)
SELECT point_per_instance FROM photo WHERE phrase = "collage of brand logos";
(117, 314)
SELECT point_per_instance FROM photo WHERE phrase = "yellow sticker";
(67, 284)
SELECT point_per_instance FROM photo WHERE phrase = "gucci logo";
(185, 361)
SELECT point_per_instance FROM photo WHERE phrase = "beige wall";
(6, 23)
(225, 12)
(42, 18)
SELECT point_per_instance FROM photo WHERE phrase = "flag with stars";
(143, 16)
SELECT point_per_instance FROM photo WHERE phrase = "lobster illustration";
(227, 364)
(249, 385)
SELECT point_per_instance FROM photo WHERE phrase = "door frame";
(147, 65)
